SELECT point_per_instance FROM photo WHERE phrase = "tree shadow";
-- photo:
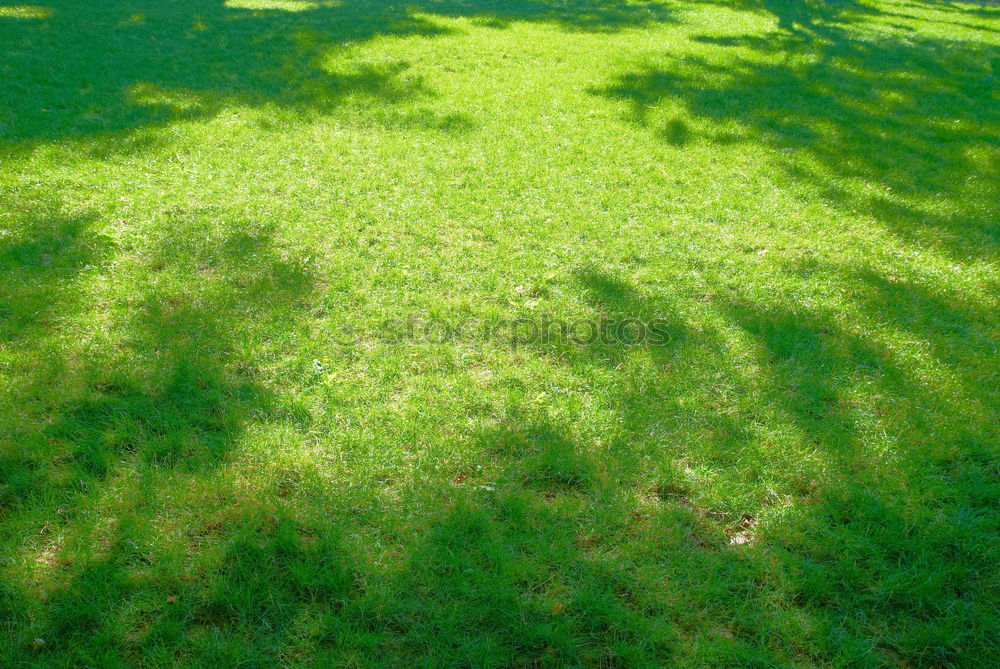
(173, 392)
(44, 256)
(160, 408)
(606, 548)
(497, 575)
(808, 17)
(906, 472)
(889, 125)
(104, 69)
(889, 475)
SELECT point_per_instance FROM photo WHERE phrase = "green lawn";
(499, 333)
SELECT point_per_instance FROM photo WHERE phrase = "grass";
(467, 332)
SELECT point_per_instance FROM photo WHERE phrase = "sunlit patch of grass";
(280, 5)
(150, 95)
(25, 11)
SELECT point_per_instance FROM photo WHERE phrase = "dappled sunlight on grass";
(499, 333)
